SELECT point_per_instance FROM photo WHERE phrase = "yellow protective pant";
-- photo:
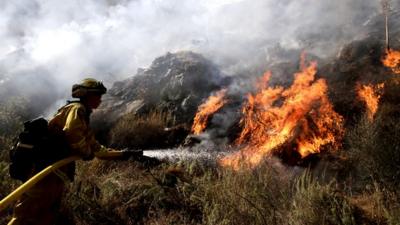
(40, 205)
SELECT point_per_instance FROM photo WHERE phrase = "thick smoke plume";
(49, 45)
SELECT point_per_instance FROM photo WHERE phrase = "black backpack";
(35, 148)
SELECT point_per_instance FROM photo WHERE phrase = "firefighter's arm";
(83, 142)
(112, 154)
(104, 153)
(99, 150)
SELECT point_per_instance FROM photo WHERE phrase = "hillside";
(308, 140)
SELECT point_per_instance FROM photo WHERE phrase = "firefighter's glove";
(131, 154)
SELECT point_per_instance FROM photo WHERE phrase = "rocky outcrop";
(175, 83)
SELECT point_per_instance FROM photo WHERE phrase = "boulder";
(176, 83)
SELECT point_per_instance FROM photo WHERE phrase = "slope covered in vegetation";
(355, 183)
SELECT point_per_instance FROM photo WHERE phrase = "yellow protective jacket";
(72, 123)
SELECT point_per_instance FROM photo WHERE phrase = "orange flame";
(392, 60)
(370, 94)
(209, 107)
(301, 115)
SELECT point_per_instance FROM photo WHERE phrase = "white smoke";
(64, 41)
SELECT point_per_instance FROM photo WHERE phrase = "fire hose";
(151, 159)
(39, 176)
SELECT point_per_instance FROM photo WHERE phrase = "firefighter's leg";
(40, 204)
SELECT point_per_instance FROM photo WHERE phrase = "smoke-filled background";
(46, 46)
(322, 128)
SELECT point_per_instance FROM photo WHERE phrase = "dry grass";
(12, 114)
(188, 193)
(245, 197)
(141, 132)
(192, 192)
(125, 192)
(378, 204)
(314, 203)
(7, 185)
(374, 147)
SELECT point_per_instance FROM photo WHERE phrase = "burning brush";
(297, 121)
(392, 60)
(208, 108)
(370, 94)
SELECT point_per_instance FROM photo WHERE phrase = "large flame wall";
(300, 115)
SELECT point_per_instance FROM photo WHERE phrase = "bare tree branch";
(386, 11)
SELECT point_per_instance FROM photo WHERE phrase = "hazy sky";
(65, 41)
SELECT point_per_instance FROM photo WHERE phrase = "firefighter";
(41, 203)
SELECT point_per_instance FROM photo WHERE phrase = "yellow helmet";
(88, 86)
